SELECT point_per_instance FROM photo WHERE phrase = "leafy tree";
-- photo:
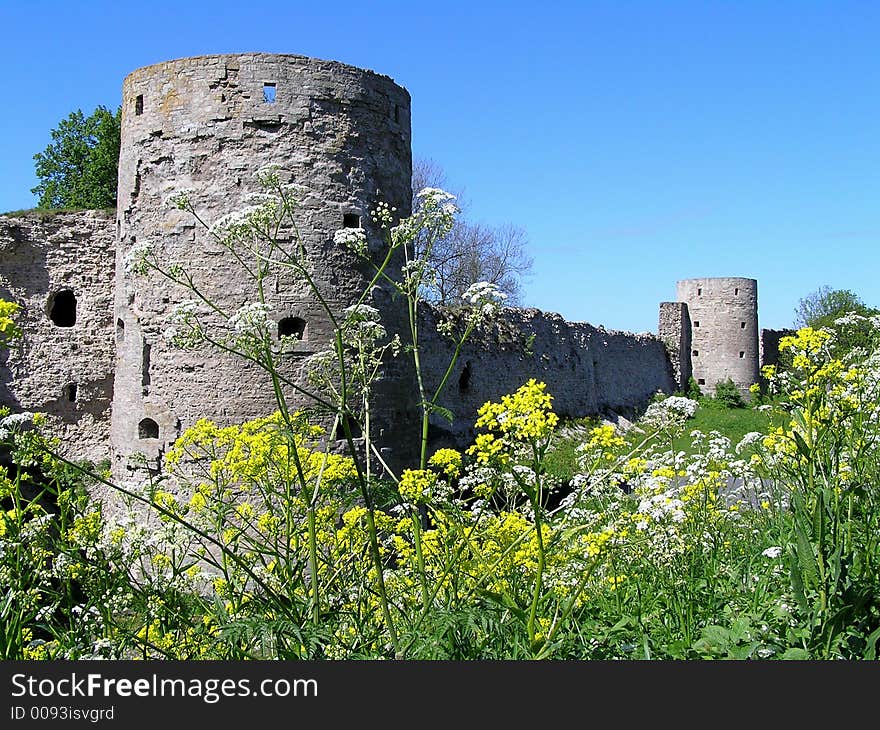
(821, 307)
(79, 169)
(472, 252)
(842, 311)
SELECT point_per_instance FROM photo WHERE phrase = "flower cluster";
(354, 239)
(8, 328)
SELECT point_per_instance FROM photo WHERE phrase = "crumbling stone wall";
(723, 315)
(589, 370)
(674, 329)
(60, 268)
(341, 136)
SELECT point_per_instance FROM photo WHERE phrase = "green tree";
(79, 169)
(843, 312)
(821, 307)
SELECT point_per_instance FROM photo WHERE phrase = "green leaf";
(871, 645)
(806, 556)
(795, 653)
(504, 601)
(444, 412)
(801, 445)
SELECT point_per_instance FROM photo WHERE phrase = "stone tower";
(723, 315)
(207, 124)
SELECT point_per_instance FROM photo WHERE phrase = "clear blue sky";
(636, 143)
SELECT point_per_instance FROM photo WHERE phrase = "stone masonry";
(94, 356)
(60, 268)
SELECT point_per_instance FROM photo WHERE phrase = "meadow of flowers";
(259, 541)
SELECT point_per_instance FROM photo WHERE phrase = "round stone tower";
(340, 136)
(723, 316)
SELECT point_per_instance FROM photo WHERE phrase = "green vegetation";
(269, 540)
(79, 169)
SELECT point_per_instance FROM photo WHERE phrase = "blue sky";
(636, 143)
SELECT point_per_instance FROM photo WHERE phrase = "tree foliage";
(843, 312)
(472, 252)
(821, 307)
(80, 168)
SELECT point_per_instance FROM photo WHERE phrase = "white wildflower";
(251, 321)
(772, 552)
(135, 261)
(434, 195)
(354, 239)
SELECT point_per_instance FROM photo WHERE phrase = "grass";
(731, 422)
(734, 423)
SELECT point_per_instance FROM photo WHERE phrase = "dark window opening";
(351, 220)
(741, 354)
(139, 105)
(697, 323)
(148, 429)
(353, 427)
(464, 380)
(292, 327)
(269, 93)
(145, 365)
(742, 325)
(136, 190)
(63, 308)
(699, 292)
(696, 353)
(701, 381)
(120, 330)
(70, 392)
(397, 113)
(736, 292)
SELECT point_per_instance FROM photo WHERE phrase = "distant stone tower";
(207, 124)
(723, 316)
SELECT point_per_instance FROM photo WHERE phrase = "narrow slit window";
(62, 309)
(139, 105)
(269, 93)
(145, 365)
(742, 325)
(120, 330)
(742, 355)
(353, 427)
(736, 292)
(397, 113)
(148, 429)
(464, 380)
(699, 292)
(351, 220)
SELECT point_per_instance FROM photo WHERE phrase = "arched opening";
(62, 308)
(292, 327)
(148, 429)
(70, 392)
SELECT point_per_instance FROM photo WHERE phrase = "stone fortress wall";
(60, 268)
(342, 135)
